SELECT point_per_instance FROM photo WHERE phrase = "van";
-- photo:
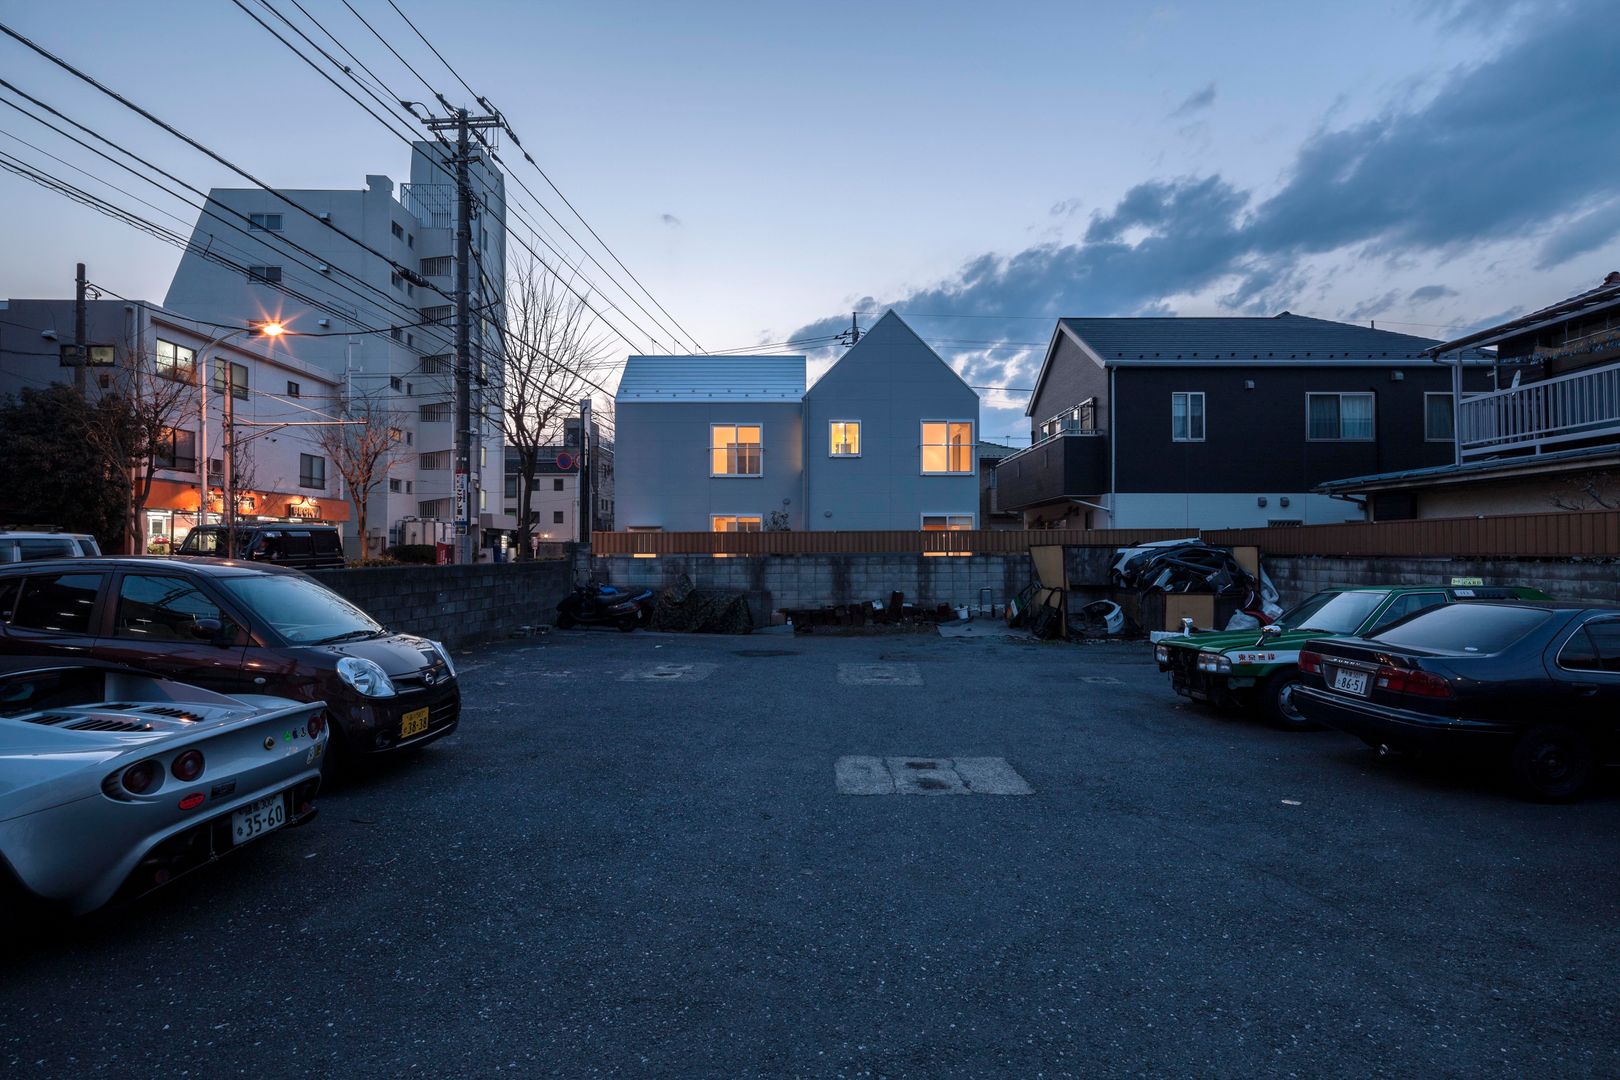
(26, 545)
(302, 547)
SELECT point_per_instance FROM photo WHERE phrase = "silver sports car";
(113, 782)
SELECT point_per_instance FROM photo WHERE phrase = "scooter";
(596, 604)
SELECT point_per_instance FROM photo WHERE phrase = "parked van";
(26, 545)
(302, 547)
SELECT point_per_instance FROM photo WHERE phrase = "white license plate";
(1351, 682)
(258, 818)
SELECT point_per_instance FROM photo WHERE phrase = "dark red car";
(238, 627)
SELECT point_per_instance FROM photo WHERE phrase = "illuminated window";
(844, 438)
(735, 523)
(947, 522)
(736, 450)
(947, 447)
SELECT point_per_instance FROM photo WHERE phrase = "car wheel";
(1277, 699)
(1552, 763)
(628, 623)
(565, 621)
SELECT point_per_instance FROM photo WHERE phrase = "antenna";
(851, 337)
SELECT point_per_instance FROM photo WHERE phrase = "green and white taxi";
(1260, 668)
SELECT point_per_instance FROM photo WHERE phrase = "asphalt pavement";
(665, 856)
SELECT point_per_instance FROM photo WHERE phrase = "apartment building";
(362, 280)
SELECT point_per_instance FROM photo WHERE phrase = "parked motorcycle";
(596, 604)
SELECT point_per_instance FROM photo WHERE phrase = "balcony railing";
(1072, 464)
(1583, 406)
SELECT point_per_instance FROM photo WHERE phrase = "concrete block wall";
(1594, 579)
(457, 605)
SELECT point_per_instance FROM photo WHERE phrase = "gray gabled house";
(885, 439)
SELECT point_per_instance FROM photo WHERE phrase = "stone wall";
(1594, 579)
(457, 605)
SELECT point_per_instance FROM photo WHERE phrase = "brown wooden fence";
(897, 542)
(1551, 535)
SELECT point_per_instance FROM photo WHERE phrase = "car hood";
(397, 654)
(1223, 640)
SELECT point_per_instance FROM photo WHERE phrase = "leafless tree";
(141, 403)
(1600, 491)
(552, 344)
(363, 453)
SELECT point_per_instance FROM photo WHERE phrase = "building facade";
(885, 439)
(267, 395)
(380, 321)
(1224, 422)
(555, 508)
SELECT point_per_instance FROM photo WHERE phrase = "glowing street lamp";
(272, 328)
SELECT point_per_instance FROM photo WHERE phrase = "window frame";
(923, 444)
(734, 425)
(1429, 436)
(173, 370)
(265, 275)
(758, 517)
(1580, 631)
(1341, 395)
(222, 378)
(262, 222)
(172, 444)
(305, 476)
(971, 515)
(1203, 416)
(860, 445)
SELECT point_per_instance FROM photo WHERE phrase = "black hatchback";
(1533, 686)
(238, 627)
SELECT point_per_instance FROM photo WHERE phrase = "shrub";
(414, 553)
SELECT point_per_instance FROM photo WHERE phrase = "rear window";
(326, 543)
(1465, 628)
(53, 547)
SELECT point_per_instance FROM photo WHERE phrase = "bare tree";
(1600, 491)
(363, 453)
(551, 344)
(142, 408)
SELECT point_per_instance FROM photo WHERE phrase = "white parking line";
(921, 775)
(879, 675)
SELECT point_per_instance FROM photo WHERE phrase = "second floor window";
(292, 388)
(174, 361)
(436, 459)
(177, 451)
(1439, 415)
(1187, 417)
(735, 523)
(271, 274)
(436, 413)
(238, 376)
(947, 447)
(844, 438)
(264, 222)
(311, 471)
(736, 450)
(1339, 417)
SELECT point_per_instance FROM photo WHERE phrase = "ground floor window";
(735, 522)
(947, 522)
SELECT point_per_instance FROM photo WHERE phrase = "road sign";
(565, 461)
(461, 499)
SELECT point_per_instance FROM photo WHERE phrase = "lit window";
(1339, 417)
(736, 450)
(844, 438)
(947, 447)
(1187, 417)
(735, 523)
(1439, 418)
(947, 522)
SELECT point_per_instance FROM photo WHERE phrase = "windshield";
(301, 611)
(1465, 628)
(1333, 613)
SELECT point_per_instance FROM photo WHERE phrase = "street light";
(271, 329)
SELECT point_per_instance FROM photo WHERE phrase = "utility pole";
(587, 460)
(852, 337)
(228, 457)
(80, 345)
(463, 124)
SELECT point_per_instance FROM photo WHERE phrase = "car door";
(53, 613)
(158, 624)
(1587, 672)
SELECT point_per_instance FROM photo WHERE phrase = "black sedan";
(1533, 686)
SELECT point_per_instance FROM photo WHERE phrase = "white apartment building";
(382, 327)
(282, 472)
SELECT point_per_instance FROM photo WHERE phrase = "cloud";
(1373, 307)
(1425, 294)
(1586, 233)
(1196, 102)
(1509, 147)
(671, 220)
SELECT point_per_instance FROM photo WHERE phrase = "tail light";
(1310, 662)
(142, 777)
(1411, 681)
(188, 766)
(316, 725)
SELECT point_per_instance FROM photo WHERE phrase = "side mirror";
(1271, 630)
(207, 630)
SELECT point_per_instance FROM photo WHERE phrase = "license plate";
(1351, 682)
(413, 723)
(258, 818)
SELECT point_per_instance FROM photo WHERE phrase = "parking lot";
(898, 855)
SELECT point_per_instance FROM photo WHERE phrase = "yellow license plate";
(413, 723)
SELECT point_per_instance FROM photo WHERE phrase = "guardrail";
(1546, 413)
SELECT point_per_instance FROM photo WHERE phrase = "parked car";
(302, 547)
(1535, 687)
(26, 545)
(236, 627)
(1259, 668)
(114, 782)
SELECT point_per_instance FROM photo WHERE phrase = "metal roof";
(1469, 469)
(712, 378)
(1606, 295)
(1275, 339)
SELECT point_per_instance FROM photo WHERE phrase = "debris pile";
(1189, 566)
(681, 608)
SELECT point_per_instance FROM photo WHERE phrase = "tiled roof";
(1279, 338)
(1604, 296)
(712, 378)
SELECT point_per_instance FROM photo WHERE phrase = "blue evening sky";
(766, 167)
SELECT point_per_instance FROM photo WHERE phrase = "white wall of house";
(1223, 510)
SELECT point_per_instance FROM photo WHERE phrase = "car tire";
(1552, 763)
(1276, 699)
(565, 621)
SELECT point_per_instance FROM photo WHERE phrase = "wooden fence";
(1549, 535)
(960, 542)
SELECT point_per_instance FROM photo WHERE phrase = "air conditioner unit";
(326, 215)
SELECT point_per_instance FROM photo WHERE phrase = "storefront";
(171, 512)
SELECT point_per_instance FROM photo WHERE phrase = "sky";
(766, 169)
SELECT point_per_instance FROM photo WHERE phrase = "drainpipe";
(1113, 451)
